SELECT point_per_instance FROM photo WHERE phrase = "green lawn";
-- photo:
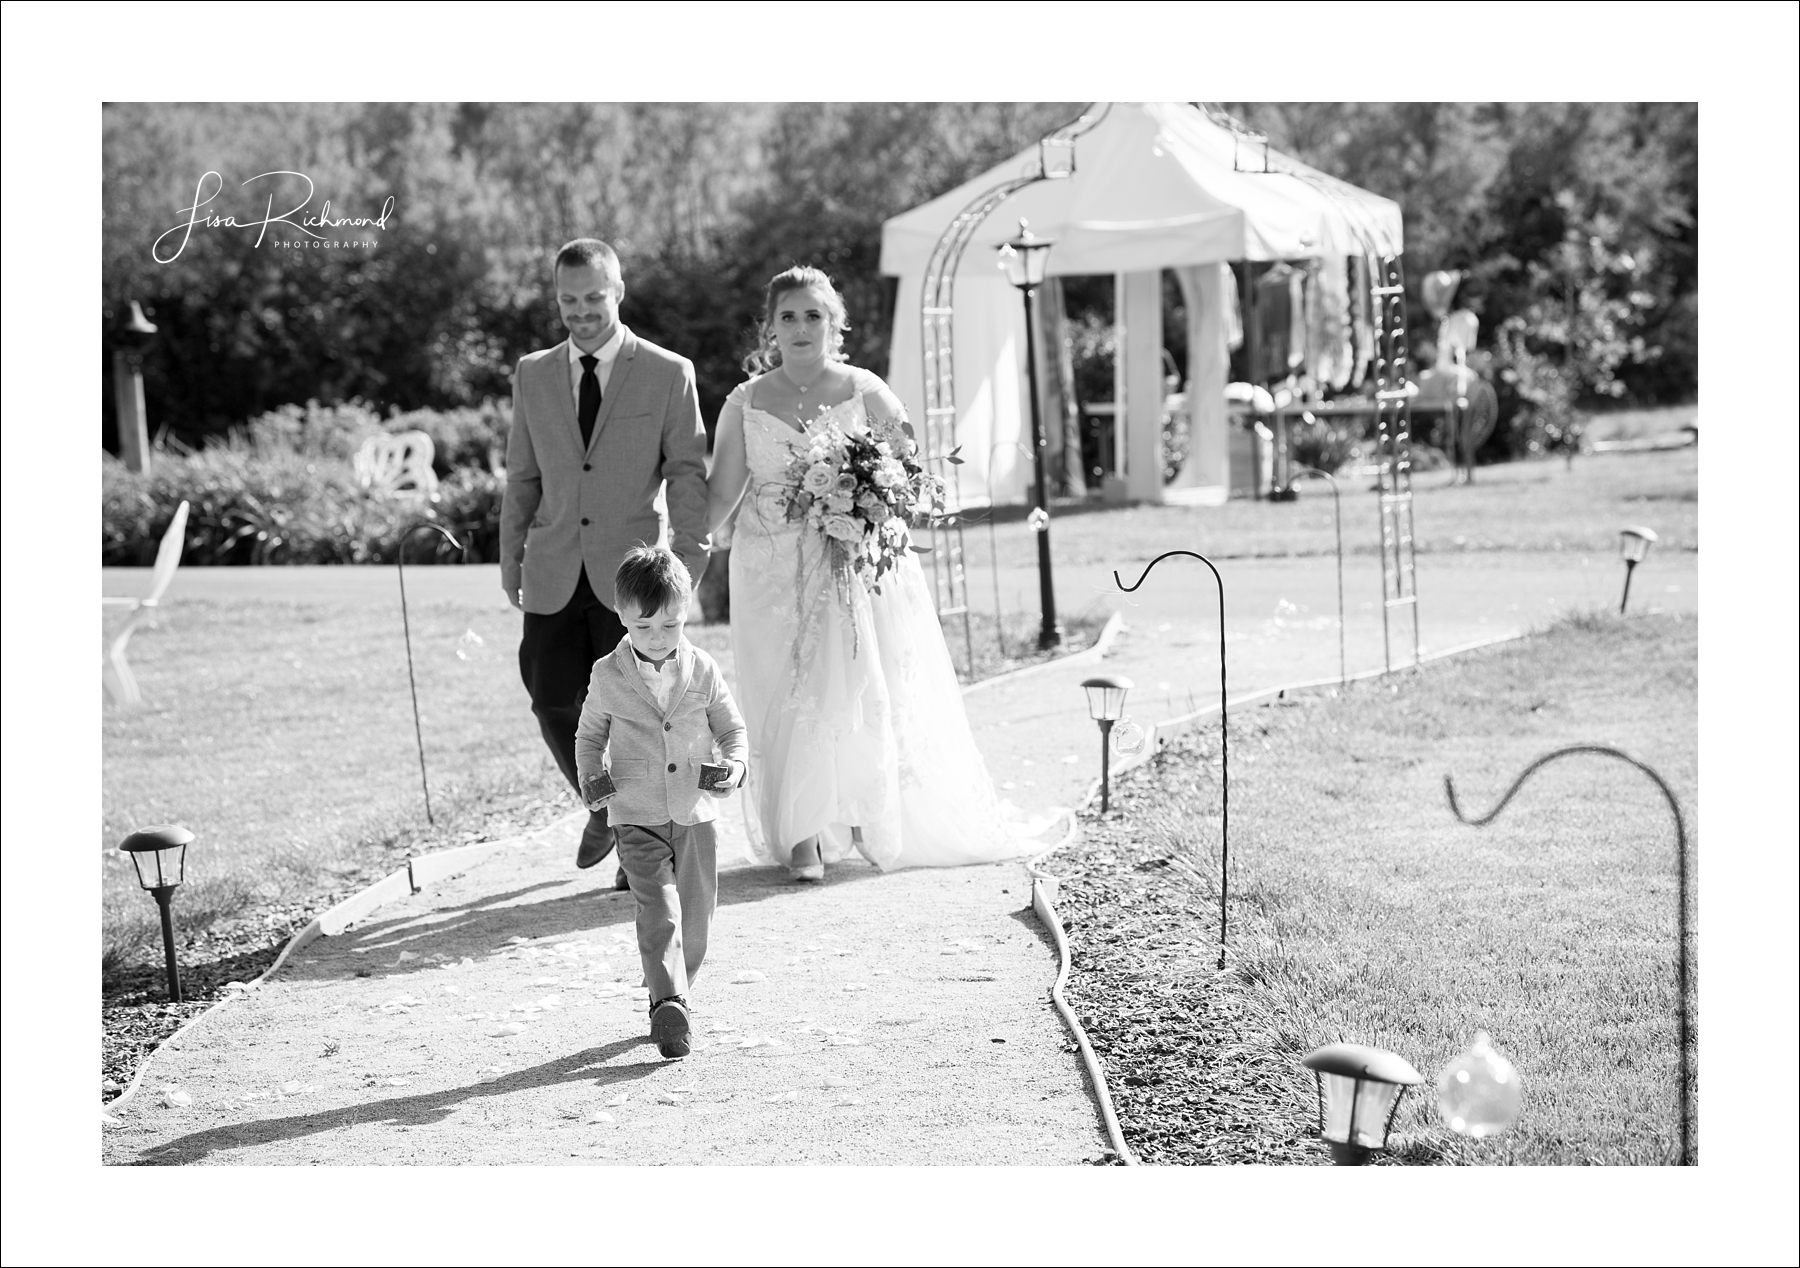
(1363, 912)
(282, 734)
(1517, 506)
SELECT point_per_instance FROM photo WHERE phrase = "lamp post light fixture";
(1024, 260)
(1634, 547)
(1359, 1093)
(1683, 1027)
(1106, 705)
(406, 626)
(160, 856)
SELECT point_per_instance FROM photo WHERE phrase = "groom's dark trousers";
(577, 499)
(556, 656)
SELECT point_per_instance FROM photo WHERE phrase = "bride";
(858, 736)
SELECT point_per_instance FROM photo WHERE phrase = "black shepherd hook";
(1224, 728)
(1681, 899)
(406, 624)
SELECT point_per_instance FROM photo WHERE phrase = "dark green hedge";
(270, 498)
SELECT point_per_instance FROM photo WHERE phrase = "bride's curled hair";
(767, 354)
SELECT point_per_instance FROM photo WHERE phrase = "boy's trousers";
(674, 873)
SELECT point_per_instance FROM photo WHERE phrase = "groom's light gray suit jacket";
(565, 507)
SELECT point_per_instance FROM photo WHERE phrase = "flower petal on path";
(749, 975)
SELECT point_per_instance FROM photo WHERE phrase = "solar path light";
(160, 856)
(1106, 705)
(1359, 1092)
(1634, 548)
(1024, 260)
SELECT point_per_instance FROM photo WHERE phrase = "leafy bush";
(312, 430)
(471, 437)
(1537, 398)
(1329, 443)
(247, 507)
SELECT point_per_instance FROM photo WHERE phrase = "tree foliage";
(1577, 223)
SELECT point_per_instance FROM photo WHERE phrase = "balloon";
(1438, 289)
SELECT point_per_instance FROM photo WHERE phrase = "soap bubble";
(1039, 519)
(1127, 736)
(471, 646)
(1478, 1093)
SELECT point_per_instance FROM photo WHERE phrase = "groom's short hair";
(588, 253)
(652, 578)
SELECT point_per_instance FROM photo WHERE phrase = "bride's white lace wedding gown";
(853, 709)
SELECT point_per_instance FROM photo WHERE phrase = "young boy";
(656, 707)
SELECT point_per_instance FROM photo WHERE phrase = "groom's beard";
(591, 342)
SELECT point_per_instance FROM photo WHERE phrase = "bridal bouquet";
(861, 489)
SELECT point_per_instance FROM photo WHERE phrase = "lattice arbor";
(1056, 161)
(1393, 435)
(1393, 389)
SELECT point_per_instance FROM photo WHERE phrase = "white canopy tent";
(1156, 186)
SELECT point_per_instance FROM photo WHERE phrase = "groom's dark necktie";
(588, 407)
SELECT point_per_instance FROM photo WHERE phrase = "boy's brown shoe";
(669, 1027)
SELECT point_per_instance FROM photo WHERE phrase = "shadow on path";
(408, 1111)
(479, 925)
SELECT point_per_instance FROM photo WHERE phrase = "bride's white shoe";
(803, 870)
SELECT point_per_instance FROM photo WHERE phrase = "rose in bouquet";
(861, 490)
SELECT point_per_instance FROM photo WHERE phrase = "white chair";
(397, 462)
(120, 682)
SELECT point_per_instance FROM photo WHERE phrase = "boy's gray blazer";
(656, 754)
(565, 507)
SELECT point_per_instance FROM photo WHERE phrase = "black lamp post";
(1634, 547)
(1106, 705)
(1024, 260)
(1359, 1093)
(160, 856)
(130, 344)
(406, 626)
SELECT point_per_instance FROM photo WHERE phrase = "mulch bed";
(135, 1011)
(1194, 1073)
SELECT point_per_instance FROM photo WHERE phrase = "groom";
(600, 422)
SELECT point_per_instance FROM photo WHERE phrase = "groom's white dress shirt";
(606, 354)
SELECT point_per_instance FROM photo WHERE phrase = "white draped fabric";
(1157, 186)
